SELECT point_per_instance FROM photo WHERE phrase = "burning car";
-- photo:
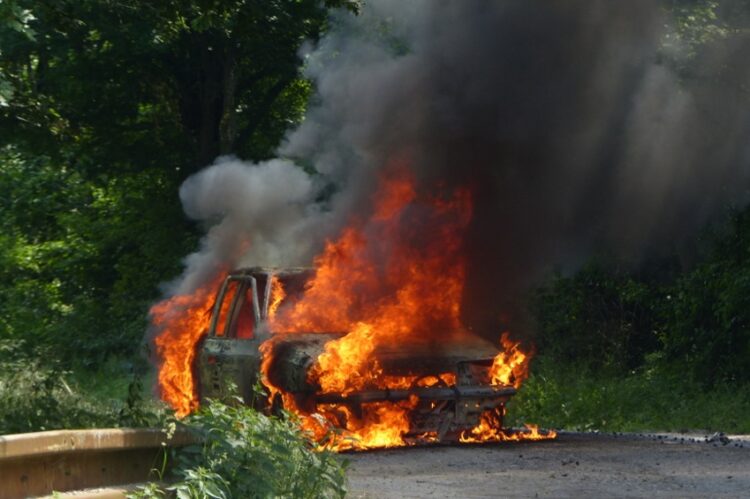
(368, 348)
(448, 383)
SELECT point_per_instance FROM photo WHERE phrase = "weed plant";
(245, 454)
(37, 394)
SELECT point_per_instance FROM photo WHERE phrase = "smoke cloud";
(262, 214)
(571, 122)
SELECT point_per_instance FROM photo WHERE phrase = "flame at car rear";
(511, 365)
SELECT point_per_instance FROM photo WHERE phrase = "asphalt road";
(575, 465)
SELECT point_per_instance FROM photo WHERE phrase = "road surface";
(575, 465)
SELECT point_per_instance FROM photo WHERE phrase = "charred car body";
(453, 401)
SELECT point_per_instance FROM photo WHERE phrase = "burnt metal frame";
(259, 314)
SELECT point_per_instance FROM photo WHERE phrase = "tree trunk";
(210, 105)
(228, 125)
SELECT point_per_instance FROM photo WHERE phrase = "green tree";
(707, 334)
(137, 84)
(601, 318)
(105, 107)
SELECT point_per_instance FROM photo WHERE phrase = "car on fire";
(450, 386)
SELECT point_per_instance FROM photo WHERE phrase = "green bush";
(245, 454)
(697, 317)
(37, 394)
(599, 318)
(648, 399)
(707, 332)
(81, 259)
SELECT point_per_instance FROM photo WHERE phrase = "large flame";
(380, 289)
(181, 322)
(392, 279)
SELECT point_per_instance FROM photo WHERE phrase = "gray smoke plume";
(263, 214)
(573, 124)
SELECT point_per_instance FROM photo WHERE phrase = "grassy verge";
(37, 395)
(645, 400)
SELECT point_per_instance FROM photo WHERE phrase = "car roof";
(270, 270)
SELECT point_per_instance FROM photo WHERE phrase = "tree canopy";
(129, 85)
(105, 107)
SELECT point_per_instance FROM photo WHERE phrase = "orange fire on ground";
(393, 279)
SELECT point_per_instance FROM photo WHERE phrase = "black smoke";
(570, 121)
(574, 123)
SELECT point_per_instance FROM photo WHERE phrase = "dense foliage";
(600, 318)
(662, 346)
(663, 343)
(105, 107)
(649, 398)
(695, 320)
(243, 453)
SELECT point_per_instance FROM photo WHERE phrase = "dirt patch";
(575, 465)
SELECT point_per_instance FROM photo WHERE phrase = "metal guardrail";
(39, 464)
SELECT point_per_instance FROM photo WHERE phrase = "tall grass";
(37, 394)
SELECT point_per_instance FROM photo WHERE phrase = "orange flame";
(277, 295)
(411, 291)
(181, 321)
(380, 290)
(511, 366)
(490, 429)
(343, 367)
